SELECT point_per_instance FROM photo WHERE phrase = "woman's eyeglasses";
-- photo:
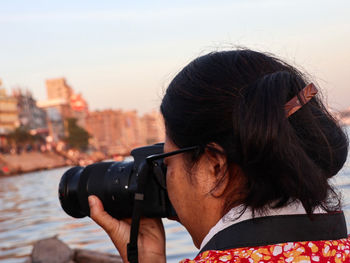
(164, 155)
(155, 162)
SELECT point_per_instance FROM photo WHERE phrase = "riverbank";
(29, 161)
(12, 164)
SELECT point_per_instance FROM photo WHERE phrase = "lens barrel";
(110, 181)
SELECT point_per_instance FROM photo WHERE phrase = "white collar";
(231, 217)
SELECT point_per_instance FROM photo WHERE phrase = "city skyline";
(123, 55)
(64, 120)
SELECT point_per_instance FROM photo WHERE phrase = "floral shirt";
(302, 252)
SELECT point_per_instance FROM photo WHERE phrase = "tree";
(78, 137)
(20, 136)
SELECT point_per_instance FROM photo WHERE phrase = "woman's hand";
(151, 239)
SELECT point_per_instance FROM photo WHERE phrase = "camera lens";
(115, 184)
(68, 192)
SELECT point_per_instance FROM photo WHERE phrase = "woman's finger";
(101, 217)
(118, 231)
(151, 240)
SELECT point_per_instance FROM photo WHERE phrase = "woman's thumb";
(101, 217)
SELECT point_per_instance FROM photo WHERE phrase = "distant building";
(153, 128)
(132, 134)
(58, 89)
(343, 116)
(80, 109)
(57, 110)
(30, 115)
(118, 132)
(61, 104)
(106, 128)
(8, 112)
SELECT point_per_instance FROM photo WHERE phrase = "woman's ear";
(217, 168)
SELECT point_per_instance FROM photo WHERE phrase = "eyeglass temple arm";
(164, 155)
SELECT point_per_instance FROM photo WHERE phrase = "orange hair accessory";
(303, 97)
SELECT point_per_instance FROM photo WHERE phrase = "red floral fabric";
(302, 252)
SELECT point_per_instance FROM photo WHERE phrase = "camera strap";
(134, 230)
(132, 250)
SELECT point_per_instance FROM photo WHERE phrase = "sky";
(123, 54)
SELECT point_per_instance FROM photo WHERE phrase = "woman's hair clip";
(303, 97)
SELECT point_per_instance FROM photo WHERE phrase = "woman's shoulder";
(305, 251)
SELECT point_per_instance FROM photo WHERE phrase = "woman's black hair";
(236, 99)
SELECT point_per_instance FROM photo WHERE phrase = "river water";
(30, 211)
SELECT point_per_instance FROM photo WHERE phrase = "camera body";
(116, 183)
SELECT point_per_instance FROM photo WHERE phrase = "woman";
(255, 188)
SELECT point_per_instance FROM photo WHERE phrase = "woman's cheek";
(171, 188)
(169, 183)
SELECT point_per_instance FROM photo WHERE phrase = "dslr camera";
(119, 185)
